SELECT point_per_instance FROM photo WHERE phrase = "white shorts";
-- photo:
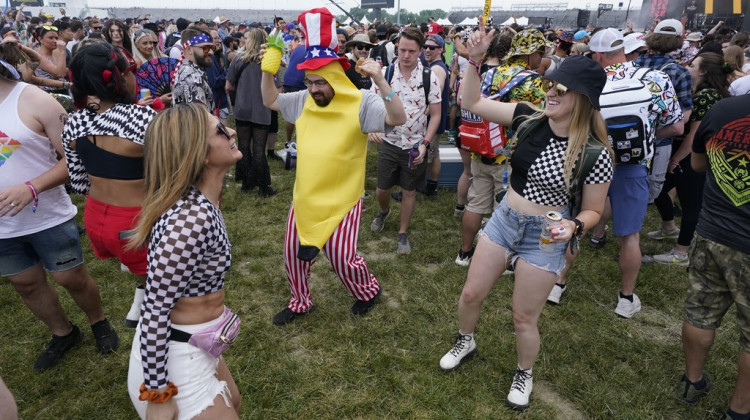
(192, 370)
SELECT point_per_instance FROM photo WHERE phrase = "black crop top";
(105, 164)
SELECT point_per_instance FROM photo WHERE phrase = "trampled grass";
(332, 364)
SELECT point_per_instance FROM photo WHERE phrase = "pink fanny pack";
(215, 339)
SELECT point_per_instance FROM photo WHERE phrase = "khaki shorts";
(486, 182)
(433, 152)
(718, 277)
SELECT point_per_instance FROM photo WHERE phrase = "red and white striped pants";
(341, 251)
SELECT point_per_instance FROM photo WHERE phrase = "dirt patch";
(565, 409)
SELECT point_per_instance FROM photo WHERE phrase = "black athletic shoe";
(362, 307)
(106, 337)
(286, 316)
(57, 348)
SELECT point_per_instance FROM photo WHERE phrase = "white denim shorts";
(192, 370)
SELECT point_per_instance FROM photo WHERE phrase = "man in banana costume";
(332, 118)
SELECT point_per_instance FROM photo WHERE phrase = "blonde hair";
(734, 55)
(174, 152)
(585, 121)
(253, 39)
(143, 33)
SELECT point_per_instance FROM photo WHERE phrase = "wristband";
(33, 194)
(674, 163)
(389, 97)
(155, 396)
(475, 64)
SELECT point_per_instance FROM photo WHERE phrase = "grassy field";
(332, 364)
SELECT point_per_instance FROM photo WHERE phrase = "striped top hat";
(321, 42)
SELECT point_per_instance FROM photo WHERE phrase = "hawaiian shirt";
(191, 85)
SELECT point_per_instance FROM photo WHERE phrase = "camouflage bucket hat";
(528, 42)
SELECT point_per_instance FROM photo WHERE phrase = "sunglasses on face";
(317, 83)
(96, 28)
(222, 129)
(362, 47)
(206, 48)
(431, 47)
(560, 89)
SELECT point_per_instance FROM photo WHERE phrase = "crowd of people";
(561, 132)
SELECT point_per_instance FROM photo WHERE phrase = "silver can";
(551, 220)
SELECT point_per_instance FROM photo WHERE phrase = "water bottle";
(413, 154)
(505, 179)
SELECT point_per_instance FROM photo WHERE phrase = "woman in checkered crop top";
(188, 152)
(543, 170)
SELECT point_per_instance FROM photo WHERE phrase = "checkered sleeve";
(602, 171)
(79, 179)
(176, 251)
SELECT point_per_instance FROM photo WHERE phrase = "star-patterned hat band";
(321, 42)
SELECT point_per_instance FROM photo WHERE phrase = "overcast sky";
(411, 5)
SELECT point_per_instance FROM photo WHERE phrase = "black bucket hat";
(581, 74)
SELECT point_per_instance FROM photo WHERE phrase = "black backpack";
(425, 81)
(381, 52)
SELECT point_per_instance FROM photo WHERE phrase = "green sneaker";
(662, 234)
(688, 393)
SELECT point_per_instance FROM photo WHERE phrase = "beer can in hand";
(551, 221)
(144, 93)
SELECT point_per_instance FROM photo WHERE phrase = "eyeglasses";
(431, 47)
(96, 28)
(560, 89)
(206, 48)
(362, 47)
(222, 129)
(317, 83)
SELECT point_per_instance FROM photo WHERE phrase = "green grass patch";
(332, 364)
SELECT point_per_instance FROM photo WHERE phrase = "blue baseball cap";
(580, 35)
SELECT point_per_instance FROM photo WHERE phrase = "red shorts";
(104, 223)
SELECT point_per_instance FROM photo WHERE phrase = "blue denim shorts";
(58, 248)
(628, 194)
(519, 234)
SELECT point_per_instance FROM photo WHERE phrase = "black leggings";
(252, 169)
(689, 185)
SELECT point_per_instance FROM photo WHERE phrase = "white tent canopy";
(444, 22)
(523, 21)
(468, 22)
(364, 20)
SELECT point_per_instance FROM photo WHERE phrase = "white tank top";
(24, 155)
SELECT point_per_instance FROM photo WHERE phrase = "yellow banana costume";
(331, 153)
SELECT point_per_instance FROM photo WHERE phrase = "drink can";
(144, 93)
(551, 220)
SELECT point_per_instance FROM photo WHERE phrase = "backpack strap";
(522, 133)
(389, 74)
(665, 65)
(516, 80)
(426, 84)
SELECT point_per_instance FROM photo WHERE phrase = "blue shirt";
(217, 79)
(680, 77)
(292, 76)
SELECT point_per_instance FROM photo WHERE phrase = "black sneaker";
(597, 243)
(56, 349)
(286, 316)
(106, 337)
(271, 155)
(265, 192)
(688, 393)
(362, 307)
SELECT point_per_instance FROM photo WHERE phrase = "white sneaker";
(662, 234)
(555, 294)
(134, 314)
(626, 308)
(672, 257)
(520, 390)
(464, 349)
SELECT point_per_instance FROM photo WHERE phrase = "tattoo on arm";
(63, 117)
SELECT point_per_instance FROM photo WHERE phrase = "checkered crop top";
(188, 255)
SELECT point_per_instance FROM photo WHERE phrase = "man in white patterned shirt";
(191, 83)
(395, 166)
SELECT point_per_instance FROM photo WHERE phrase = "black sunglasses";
(431, 47)
(222, 129)
(362, 47)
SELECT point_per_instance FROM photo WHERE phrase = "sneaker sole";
(518, 407)
(627, 315)
(680, 263)
(465, 358)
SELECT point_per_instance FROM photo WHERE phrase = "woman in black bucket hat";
(544, 168)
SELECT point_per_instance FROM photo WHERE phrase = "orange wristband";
(155, 396)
